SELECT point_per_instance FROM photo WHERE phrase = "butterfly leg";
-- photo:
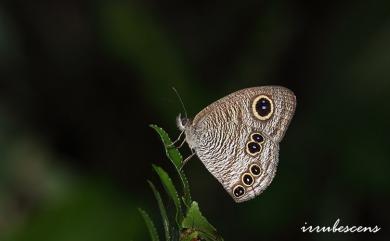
(181, 144)
(178, 139)
(187, 159)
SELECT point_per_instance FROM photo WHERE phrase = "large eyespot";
(247, 179)
(255, 170)
(238, 191)
(252, 148)
(257, 137)
(262, 107)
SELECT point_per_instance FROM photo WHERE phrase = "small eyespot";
(247, 179)
(255, 170)
(262, 107)
(238, 191)
(253, 148)
(257, 137)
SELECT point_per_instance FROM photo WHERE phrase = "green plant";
(187, 222)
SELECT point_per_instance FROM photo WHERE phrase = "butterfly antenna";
(181, 102)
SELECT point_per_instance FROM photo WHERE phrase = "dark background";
(81, 80)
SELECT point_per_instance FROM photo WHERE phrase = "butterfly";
(237, 137)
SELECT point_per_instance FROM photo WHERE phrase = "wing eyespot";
(262, 107)
(238, 191)
(257, 137)
(247, 179)
(253, 148)
(255, 170)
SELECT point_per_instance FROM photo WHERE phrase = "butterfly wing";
(237, 138)
(282, 107)
(270, 108)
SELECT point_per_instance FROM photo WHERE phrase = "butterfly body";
(237, 137)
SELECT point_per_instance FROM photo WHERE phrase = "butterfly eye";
(252, 148)
(255, 170)
(238, 191)
(262, 107)
(257, 138)
(247, 179)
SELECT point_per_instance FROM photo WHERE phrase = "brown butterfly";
(237, 137)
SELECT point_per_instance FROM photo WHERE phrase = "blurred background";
(81, 80)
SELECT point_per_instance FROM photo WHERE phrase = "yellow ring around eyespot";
(250, 167)
(254, 108)
(242, 179)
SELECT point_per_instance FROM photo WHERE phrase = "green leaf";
(177, 160)
(194, 220)
(149, 223)
(163, 212)
(170, 149)
(186, 188)
(171, 191)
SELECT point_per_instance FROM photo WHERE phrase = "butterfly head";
(182, 122)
